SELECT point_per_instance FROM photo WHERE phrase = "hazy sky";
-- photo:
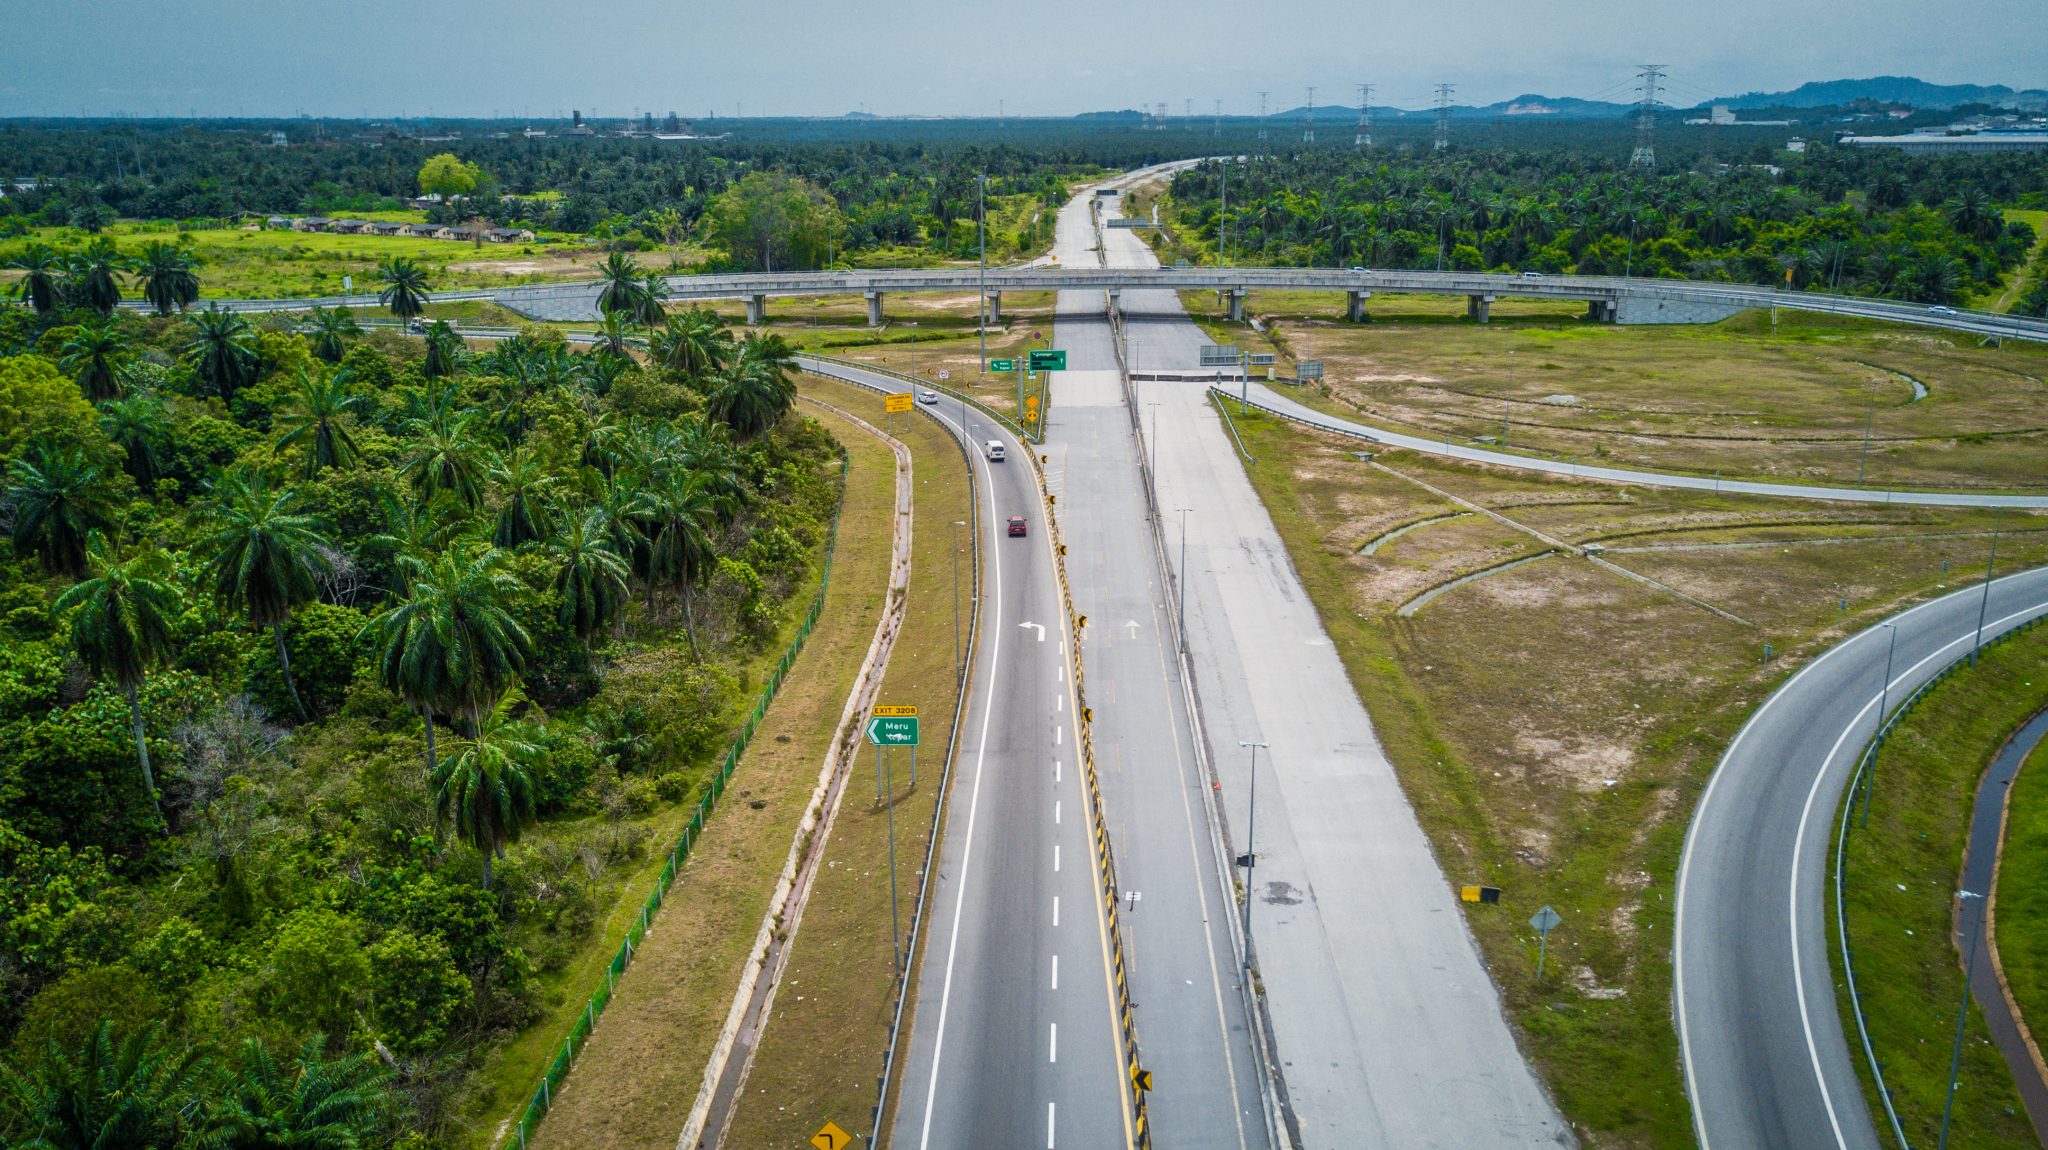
(959, 57)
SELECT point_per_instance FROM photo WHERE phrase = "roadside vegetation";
(1902, 871)
(2022, 907)
(1553, 722)
(348, 683)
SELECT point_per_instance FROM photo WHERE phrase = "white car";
(1939, 309)
(928, 397)
(1532, 275)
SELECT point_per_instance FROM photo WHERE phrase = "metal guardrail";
(1023, 433)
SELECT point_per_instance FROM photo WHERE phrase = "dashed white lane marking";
(1054, 1055)
(1055, 972)
(1056, 740)
(1055, 910)
(1055, 858)
(1048, 1126)
(1055, 770)
(1055, 812)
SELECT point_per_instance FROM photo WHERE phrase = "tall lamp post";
(957, 525)
(1884, 697)
(1990, 566)
(981, 241)
(1250, 857)
(1182, 605)
(1955, 1061)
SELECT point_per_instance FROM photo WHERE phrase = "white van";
(994, 451)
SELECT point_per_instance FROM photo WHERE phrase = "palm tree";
(320, 1103)
(590, 575)
(59, 498)
(405, 290)
(222, 351)
(679, 516)
(41, 283)
(263, 559)
(444, 350)
(331, 329)
(484, 788)
(170, 281)
(93, 356)
(138, 1094)
(647, 307)
(694, 344)
(757, 391)
(615, 334)
(620, 280)
(524, 517)
(93, 276)
(452, 645)
(318, 417)
(123, 625)
(414, 531)
(447, 458)
(136, 424)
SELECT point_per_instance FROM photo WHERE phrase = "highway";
(1185, 973)
(1765, 1057)
(1013, 1042)
(1266, 398)
(1386, 1028)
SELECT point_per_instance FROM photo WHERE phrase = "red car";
(1017, 525)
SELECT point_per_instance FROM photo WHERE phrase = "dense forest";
(343, 679)
(1869, 221)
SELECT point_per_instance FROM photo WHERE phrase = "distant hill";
(1906, 90)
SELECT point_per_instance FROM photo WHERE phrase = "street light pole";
(1955, 1061)
(1183, 597)
(1989, 565)
(1868, 421)
(1884, 704)
(1250, 825)
(981, 241)
(957, 525)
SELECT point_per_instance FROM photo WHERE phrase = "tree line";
(342, 672)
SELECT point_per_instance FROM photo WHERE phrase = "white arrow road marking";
(1133, 625)
(1038, 627)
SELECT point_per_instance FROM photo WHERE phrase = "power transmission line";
(1262, 115)
(1645, 155)
(1443, 116)
(1308, 130)
(1364, 137)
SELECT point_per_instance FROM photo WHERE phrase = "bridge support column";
(995, 307)
(1116, 302)
(757, 310)
(874, 299)
(1354, 305)
(1237, 305)
(1601, 310)
(1479, 307)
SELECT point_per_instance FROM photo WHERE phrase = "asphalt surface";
(1766, 1061)
(1980, 874)
(1013, 1043)
(1259, 395)
(1386, 1028)
(1177, 921)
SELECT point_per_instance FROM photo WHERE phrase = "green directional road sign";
(893, 731)
(1002, 365)
(1049, 360)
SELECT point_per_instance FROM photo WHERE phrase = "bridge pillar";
(1601, 310)
(757, 310)
(1237, 305)
(874, 299)
(1479, 307)
(1354, 305)
(995, 307)
(1116, 301)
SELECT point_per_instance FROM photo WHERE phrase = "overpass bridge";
(1609, 298)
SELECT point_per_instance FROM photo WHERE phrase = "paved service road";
(1386, 1028)
(1184, 970)
(1262, 396)
(1766, 1061)
(1013, 1043)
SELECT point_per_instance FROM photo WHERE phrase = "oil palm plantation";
(121, 626)
(620, 286)
(679, 516)
(93, 276)
(484, 788)
(756, 391)
(523, 487)
(318, 419)
(414, 531)
(41, 285)
(137, 424)
(59, 498)
(222, 351)
(263, 559)
(405, 287)
(694, 344)
(331, 328)
(138, 1093)
(315, 1103)
(452, 646)
(590, 575)
(170, 276)
(93, 356)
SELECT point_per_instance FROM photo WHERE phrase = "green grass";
(1900, 899)
(2021, 906)
(2017, 281)
(1577, 793)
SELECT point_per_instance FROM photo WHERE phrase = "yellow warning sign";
(894, 712)
(831, 1137)
(892, 404)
